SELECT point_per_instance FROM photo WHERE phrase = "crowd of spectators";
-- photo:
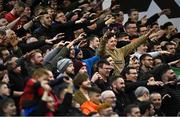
(72, 58)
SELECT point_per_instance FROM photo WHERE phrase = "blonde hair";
(40, 72)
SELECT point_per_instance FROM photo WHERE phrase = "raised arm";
(102, 48)
(51, 54)
(30, 23)
(133, 45)
(62, 54)
(13, 23)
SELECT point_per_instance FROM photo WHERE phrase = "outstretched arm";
(102, 49)
(133, 45)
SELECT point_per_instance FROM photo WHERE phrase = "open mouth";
(64, 20)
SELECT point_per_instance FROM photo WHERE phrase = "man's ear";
(113, 85)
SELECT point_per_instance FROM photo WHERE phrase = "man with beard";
(35, 61)
(81, 83)
(131, 82)
(156, 100)
(45, 21)
(65, 68)
(122, 101)
(16, 12)
(147, 109)
(171, 91)
(146, 62)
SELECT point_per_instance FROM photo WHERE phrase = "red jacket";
(10, 17)
(33, 93)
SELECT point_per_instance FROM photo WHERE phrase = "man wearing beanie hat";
(82, 83)
(79, 67)
(65, 67)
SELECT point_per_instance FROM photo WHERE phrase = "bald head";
(156, 100)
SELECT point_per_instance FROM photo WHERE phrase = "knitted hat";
(77, 66)
(63, 64)
(79, 78)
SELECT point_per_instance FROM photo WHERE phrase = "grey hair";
(105, 94)
(140, 91)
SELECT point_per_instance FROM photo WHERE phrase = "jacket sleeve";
(72, 6)
(152, 19)
(84, 24)
(98, 31)
(37, 33)
(102, 49)
(17, 52)
(62, 54)
(51, 55)
(65, 106)
(154, 54)
(28, 47)
(133, 45)
(90, 62)
(58, 26)
(22, 62)
(130, 86)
